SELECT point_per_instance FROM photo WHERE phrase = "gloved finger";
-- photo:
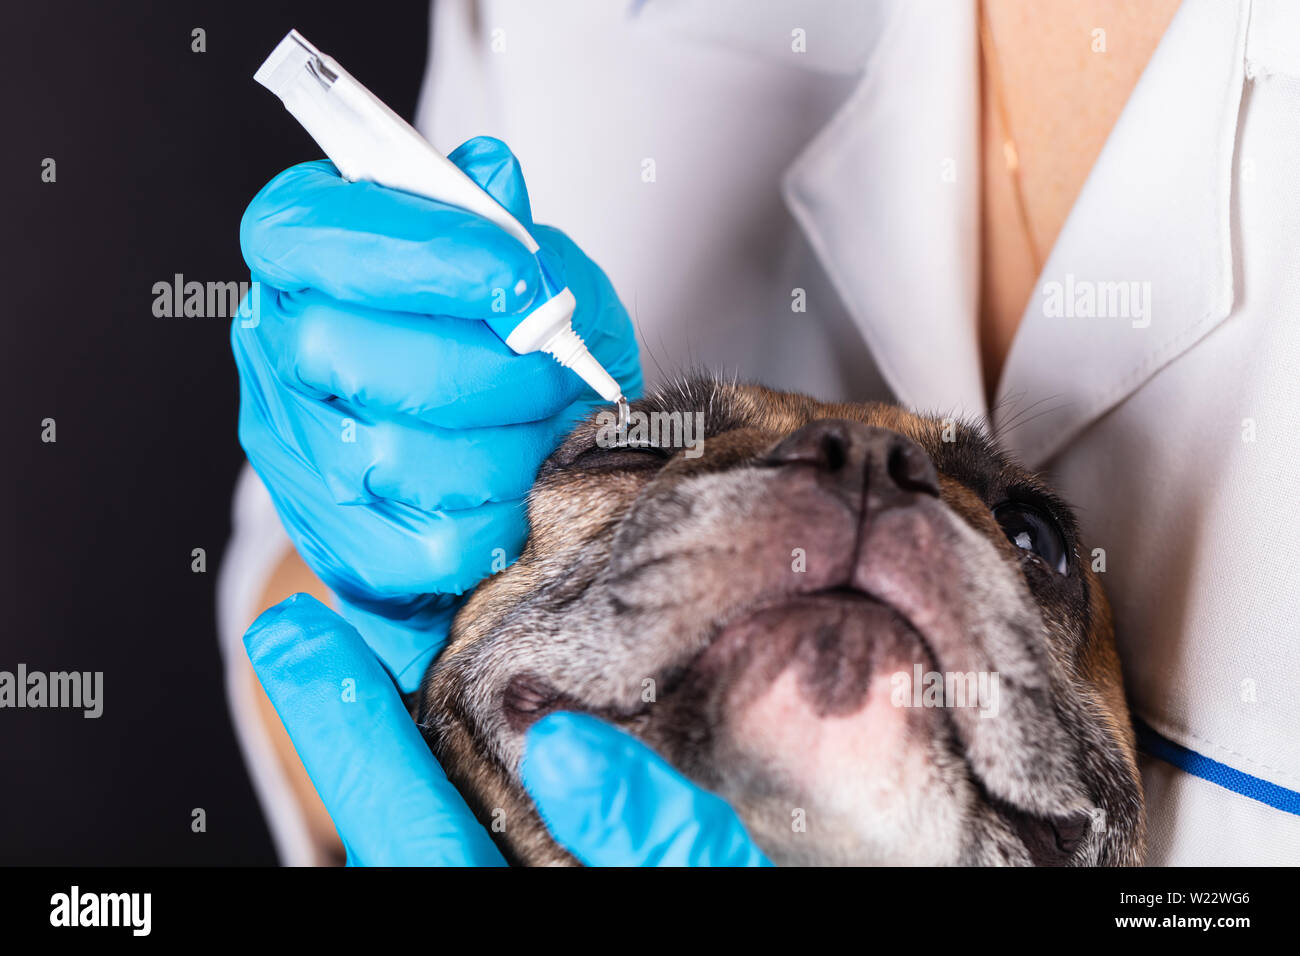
(362, 243)
(406, 646)
(434, 469)
(390, 801)
(612, 801)
(388, 551)
(491, 164)
(441, 370)
(406, 576)
(361, 457)
(439, 469)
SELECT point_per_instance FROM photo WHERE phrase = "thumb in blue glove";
(390, 801)
(612, 801)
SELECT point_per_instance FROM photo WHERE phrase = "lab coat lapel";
(1143, 267)
(887, 195)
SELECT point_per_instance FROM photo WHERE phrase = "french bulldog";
(871, 632)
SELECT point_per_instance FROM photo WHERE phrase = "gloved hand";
(396, 434)
(606, 797)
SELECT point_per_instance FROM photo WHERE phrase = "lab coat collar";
(887, 192)
(887, 196)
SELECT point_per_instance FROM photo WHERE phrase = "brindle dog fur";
(748, 614)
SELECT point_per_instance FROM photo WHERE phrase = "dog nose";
(860, 458)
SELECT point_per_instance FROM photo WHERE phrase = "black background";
(158, 151)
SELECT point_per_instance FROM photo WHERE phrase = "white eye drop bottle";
(368, 141)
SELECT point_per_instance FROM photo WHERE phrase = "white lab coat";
(720, 177)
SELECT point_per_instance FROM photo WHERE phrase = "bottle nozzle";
(567, 348)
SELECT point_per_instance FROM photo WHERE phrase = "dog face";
(870, 632)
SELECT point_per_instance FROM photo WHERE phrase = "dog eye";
(1031, 530)
(621, 458)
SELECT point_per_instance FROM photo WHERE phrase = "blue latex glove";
(612, 801)
(396, 435)
(607, 798)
